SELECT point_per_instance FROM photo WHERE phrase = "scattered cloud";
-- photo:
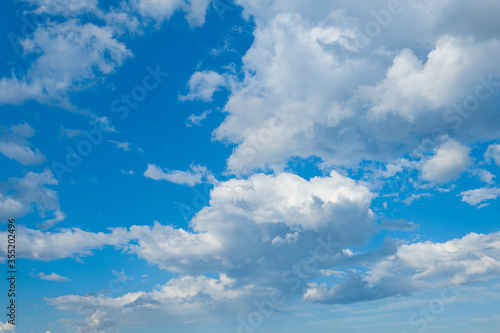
(196, 174)
(416, 267)
(202, 86)
(449, 160)
(125, 146)
(52, 277)
(193, 120)
(493, 154)
(19, 196)
(478, 196)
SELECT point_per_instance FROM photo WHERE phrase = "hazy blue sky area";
(251, 166)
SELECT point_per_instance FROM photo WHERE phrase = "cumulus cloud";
(416, 267)
(20, 153)
(478, 196)
(449, 160)
(196, 174)
(178, 301)
(194, 120)
(286, 221)
(314, 89)
(202, 86)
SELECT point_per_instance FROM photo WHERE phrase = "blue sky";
(251, 166)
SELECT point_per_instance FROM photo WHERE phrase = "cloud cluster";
(416, 267)
(351, 94)
(295, 231)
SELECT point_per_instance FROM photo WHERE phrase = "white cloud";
(125, 146)
(7, 327)
(449, 160)
(70, 57)
(202, 86)
(66, 243)
(485, 176)
(162, 10)
(314, 89)
(263, 208)
(22, 154)
(416, 267)
(412, 87)
(178, 301)
(193, 120)
(52, 277)
(65, 8)
(13, 144)
(493, 154)
(196, 174)
(20, 196)
(477, 196)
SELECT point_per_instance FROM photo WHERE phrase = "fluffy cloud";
(412, 87)
(477, 196)
(20, 196)
(202, 86)
(160, 11)
(296, 230)
(65, 8)
(449, 160)
(314, 88)
(178, 301)
(66, 243)
(418, 266)
(196, 175)
(265, 209)
(7, 327)
(69, 57)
